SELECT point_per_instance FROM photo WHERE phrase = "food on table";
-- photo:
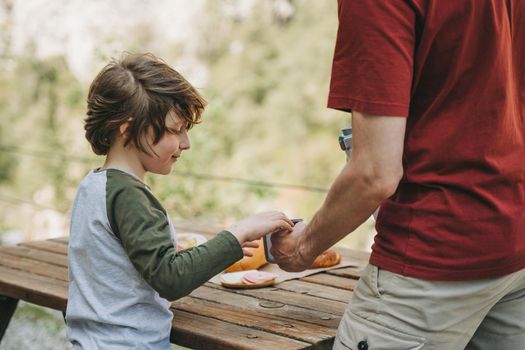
(247, 279)
(250, 262)
(327, 259)
(258, 277)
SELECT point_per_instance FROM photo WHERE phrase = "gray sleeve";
(140, 222)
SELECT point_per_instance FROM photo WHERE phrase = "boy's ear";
(124, 130)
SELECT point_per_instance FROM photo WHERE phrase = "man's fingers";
(281, 233)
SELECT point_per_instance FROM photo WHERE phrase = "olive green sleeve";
(141, 224)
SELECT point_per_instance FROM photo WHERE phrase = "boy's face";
(169, 148)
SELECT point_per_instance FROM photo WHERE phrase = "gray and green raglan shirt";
(123, 266)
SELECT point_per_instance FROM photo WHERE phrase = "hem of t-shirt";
(443, 274)
(232, 242)
(377, 108)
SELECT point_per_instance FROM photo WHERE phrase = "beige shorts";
(395, 312)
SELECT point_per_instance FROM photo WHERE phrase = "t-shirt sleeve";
(373, 61)
(141, 224)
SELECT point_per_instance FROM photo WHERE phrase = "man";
(437, 94)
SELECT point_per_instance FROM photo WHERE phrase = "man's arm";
(371, 176)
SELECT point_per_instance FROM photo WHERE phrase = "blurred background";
(267, 140)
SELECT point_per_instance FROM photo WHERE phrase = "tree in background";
(266, 118)
(267, 66)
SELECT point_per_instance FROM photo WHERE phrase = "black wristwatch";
(345, 139)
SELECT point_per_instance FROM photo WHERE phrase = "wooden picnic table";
(295, 314)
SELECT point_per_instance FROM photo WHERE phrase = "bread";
(250, 262)
(326, 259)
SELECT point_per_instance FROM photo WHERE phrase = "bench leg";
(7, 309)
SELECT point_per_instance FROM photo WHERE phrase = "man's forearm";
(351, 200)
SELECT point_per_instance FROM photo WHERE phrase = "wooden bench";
(296, 314)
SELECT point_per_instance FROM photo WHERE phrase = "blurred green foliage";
(266, 120)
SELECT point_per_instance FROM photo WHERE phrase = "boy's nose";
(185, 143)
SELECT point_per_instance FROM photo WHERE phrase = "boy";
(123, 266)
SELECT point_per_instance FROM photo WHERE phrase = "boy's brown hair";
(140, 89)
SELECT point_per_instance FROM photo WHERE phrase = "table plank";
(34, 267)
(48, 246)
(316, 290)
(298, 330)
(33, 288)
(305, 301)
(248, 302)
(199, 332)
(349, 272)
(36, 254)
(63, 239)
(212, 317)
(326, 279)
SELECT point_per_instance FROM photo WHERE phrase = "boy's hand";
(247, 247)
(258, 225)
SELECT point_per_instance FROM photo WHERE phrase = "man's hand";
(287, 249)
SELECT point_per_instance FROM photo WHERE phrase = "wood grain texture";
(48, 246)
(295, 314)
(34, 267)
(303, 331)
(331, 280)
(219, 335)
(249, 302)
(36, 255)
(316, 290)
(32, 288)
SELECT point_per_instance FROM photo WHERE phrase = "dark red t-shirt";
(456, 69)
